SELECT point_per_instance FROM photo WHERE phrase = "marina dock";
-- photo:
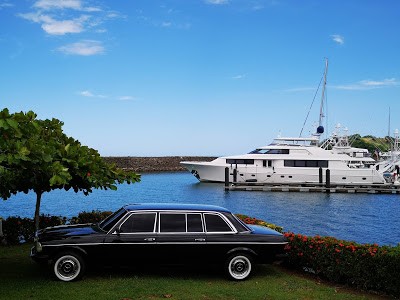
(309, 188)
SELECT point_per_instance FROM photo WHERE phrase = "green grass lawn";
(21, 278)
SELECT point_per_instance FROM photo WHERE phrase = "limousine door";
(134, 239)
(181, 237)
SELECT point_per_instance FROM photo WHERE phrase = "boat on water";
(291, 160)
(297, 160)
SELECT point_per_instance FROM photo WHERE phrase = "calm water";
(365, 218)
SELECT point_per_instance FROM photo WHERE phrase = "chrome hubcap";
(67, 268)
(240, 267)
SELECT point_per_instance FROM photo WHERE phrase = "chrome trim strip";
(172, 243)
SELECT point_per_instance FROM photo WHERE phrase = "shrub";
(94, 216)
(366, 266)
(254, 221)
(19, 230)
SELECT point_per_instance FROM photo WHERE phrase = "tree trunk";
(37, 212)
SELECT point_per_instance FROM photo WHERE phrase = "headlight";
(38, 246)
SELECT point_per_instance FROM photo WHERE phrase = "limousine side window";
(172, 222)
(194, 223)
(214, 223)
(180, 222)
(139, 223)
(111, 220)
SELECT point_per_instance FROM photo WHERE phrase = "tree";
(36, 155)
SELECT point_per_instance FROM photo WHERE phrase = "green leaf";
(24, 151)
(3, 124)
(12, 123)
(47, 157)
(56, 180)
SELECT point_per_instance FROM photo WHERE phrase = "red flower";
(88, 174)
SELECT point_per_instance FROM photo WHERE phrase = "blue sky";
(199, 77)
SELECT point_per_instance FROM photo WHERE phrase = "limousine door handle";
(149, 239)
(199, 240)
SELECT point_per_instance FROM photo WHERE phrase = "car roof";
(174, 206)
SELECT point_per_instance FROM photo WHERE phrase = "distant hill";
(371, 143)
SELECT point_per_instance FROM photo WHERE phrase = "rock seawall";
(154, 164)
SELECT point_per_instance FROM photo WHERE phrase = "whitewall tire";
(68, 266)
(238, 266)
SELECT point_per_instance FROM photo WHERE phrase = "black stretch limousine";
(159, 233)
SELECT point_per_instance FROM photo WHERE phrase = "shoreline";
(149, 164)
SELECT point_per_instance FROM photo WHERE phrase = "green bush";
(19, 230)
(254, 221)
(366, 266)
(94, 216)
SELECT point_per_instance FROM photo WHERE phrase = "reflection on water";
(365, 218)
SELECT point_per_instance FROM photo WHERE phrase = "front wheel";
(238, 266)
(68, 266)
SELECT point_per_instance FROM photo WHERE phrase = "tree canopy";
(37, 155)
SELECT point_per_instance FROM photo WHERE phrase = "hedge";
(366, 266)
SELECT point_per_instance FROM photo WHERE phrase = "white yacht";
(291, 160)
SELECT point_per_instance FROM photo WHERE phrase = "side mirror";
(118, 230)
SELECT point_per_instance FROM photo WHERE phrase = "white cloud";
(64, 4)
(58, 4)
(217, 2)
(86, 94)
(84, 48)
(64, 27)
(240, 76)
(37, 17)
(358, 86)
(258, 7)
(89, 94)
(166, 24)
(60, 17)
(55, 27)
(126, 98)
(5, 5)
(369, 84)
(338, 39)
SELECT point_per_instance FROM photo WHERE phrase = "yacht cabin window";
(240, 161)
(270, 151)
(306, 163)
(267, 163)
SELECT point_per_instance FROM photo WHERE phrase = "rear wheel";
(68, 266)
(238, 266)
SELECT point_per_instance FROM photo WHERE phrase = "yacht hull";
(214, 172)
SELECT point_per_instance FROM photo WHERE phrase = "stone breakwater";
(154, 164)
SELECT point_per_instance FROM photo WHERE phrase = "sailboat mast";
(321, 109)
(389, 123)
